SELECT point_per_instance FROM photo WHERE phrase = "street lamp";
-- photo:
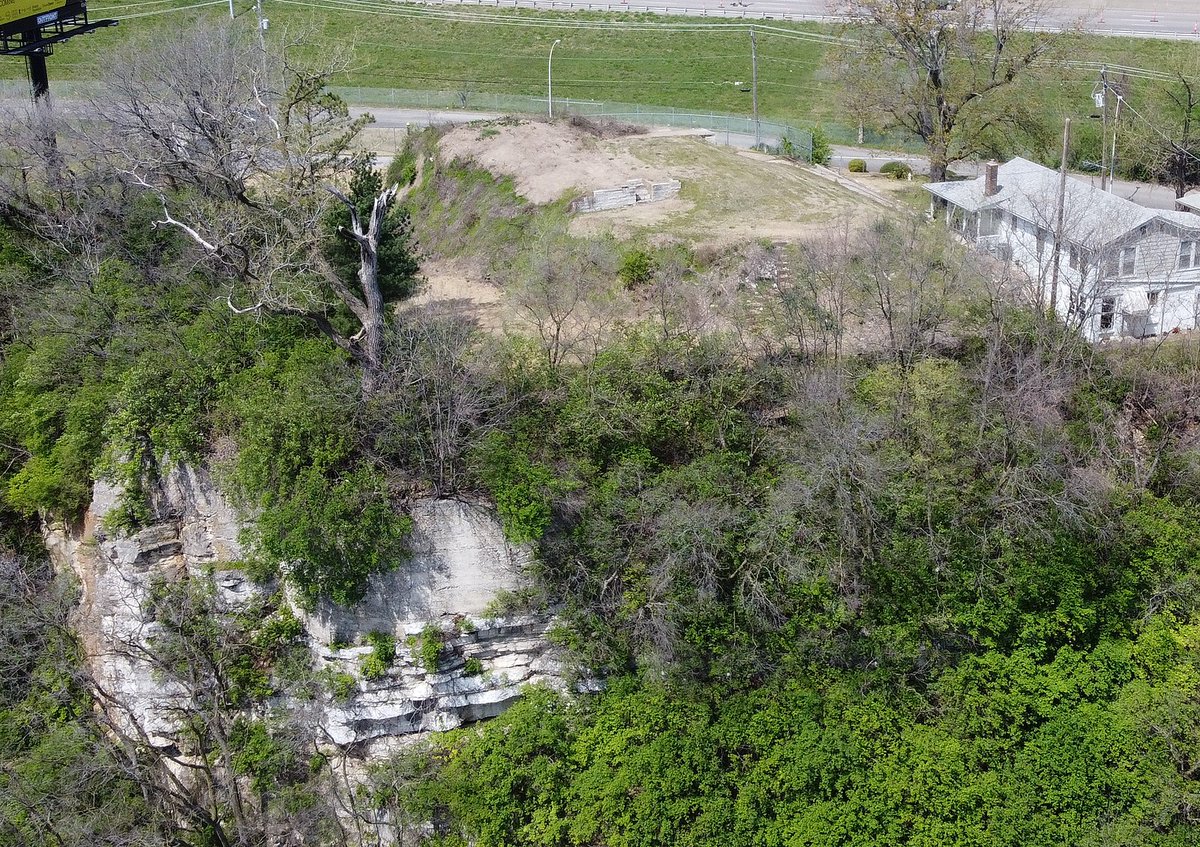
(550, 79)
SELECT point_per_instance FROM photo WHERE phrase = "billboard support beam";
(35, 34)
(39, 76)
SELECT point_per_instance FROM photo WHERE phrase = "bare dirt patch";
(731, 202)
(547, 160)
(728, 197)
(460, 286)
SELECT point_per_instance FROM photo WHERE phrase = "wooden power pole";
(1058, 224)
(1104, 130)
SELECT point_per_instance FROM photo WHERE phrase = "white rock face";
(460, 562)
(408, 699)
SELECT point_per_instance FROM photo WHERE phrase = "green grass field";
(703, 70)
(623, 58)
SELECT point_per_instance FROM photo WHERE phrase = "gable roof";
(1029, 191)
(1183, 220)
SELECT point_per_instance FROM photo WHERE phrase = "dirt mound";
(547, 160)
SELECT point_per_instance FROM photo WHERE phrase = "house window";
(1079, 259)
(1189, 254)
(989, 222)
(1108, 308)
(1152, 298)
(1128, 260)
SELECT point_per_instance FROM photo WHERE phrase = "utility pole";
(262, 26)
(1112, 157)
(1104, 129)
(1058, 225)
(754, 87)
(550, 80)
(231, 15)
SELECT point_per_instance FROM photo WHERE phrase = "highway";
(1172, 19)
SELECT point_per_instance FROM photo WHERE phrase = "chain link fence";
(733, 127)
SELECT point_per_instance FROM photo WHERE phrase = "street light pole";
(754, 87)
(550, 80)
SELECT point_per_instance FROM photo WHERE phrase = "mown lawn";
(608, 57)
(395, 46)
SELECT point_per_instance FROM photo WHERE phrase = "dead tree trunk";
(367, 344)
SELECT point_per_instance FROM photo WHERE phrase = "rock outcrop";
(460, 562)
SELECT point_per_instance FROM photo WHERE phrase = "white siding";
(1101, 274)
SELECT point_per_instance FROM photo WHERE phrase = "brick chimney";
(991, 175)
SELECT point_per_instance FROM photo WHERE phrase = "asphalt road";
(1150, 18)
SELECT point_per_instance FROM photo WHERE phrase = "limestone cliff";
(460, 561)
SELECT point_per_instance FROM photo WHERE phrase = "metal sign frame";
(38, 33)
(34, 37)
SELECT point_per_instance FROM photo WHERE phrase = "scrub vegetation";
(882, 557)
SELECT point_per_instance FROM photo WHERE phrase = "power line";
(510, 21)
(540, 58)
(503, 19)
(172, 9)
(106, 9)
(1174, 144)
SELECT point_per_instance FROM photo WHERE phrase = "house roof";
(1029, 191)
(1184, 220)
(1190, 200)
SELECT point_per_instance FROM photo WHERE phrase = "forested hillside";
(939, 586)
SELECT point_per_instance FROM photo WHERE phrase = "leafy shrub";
(340, 684)
(637, 268)
(269, 761)
(383, 653)
(520, 486)
(822, 150)
(373, 667)
(429, 648)
(383, 645)
(896, 170)
(279, 631)
(857, 166)
(328, 516)
(333, 531)
(472, 667)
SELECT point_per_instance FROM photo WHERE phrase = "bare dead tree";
(248, 155)
(565, 290)
(439, 394)
(911, 281)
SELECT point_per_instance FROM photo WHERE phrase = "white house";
(1123, 270)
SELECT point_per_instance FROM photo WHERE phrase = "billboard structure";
(31, 28)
